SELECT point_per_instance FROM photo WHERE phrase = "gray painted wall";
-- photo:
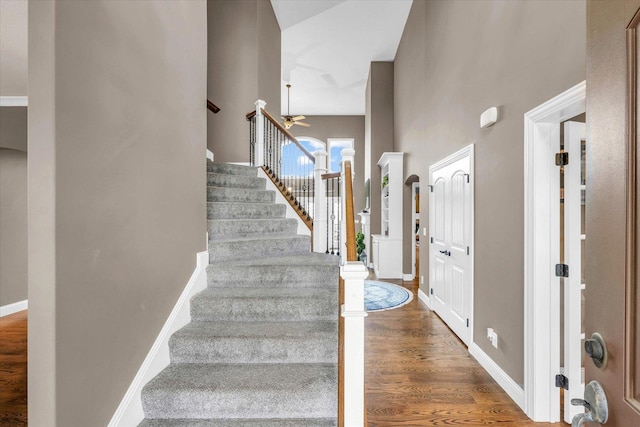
(13, 48)
(117, 132)
(323, 127)
(13, 128)
(241, 35)
(456, 59)
(13, 226)
(379, 131)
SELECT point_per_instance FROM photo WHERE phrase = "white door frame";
(468, 151)
(414, 187)
(541, 251)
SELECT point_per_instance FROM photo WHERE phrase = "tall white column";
(320, 203)
(348, 154)
(353, 273)
(260, 104)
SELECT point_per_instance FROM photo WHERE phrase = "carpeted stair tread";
(235, 181)
(307, 422)
(242, 391)
(232, 169)
(224, 250)
(309, 258)
(225, 194)
(255, 342)
(233, 228)
(264, 304)
(244, 210)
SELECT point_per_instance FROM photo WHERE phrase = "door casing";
(541, 251)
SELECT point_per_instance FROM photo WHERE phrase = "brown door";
(612, 307)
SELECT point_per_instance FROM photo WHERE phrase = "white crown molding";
(8, 309)
(14, 101)
(130, 412)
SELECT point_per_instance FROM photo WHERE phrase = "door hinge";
(468, 250)
(431, 239)
(431, 291)
(467, 323)
(562, 382)
(562, 158)
(467, 175)
(430, 188)
(562, 270)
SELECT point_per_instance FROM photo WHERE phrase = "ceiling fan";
(289, 120)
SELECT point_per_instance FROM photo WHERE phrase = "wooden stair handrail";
(212, 107)
(351, 256)
(330, 175)
(284, 131)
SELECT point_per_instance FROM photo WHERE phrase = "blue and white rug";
(379, 296)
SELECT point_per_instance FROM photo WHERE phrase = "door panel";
(450, 212)
(611, 220)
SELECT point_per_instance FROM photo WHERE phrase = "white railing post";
(347, 155)
(353, 273)
(259, 149)
(320, 203)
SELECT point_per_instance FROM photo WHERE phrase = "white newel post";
(320, 203)
(260, 104)
(353, 273)
(347, 155)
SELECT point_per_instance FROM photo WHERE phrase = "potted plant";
(385, 181)
(360, 246)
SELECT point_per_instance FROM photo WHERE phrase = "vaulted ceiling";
(327, 47)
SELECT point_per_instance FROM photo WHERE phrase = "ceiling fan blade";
(302, 124)
(297, 118)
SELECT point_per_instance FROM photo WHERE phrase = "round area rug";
(380, 296)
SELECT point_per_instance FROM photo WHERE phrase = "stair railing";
(287, 162)
(212, 107)
(351, 402)
(333, 233)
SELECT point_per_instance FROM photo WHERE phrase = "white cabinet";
(387, 246)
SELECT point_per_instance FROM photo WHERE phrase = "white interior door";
(574, 285)
(451, 224)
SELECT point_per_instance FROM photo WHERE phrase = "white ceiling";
(327, 47)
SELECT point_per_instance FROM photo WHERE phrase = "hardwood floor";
(417, 373)
(13, 370)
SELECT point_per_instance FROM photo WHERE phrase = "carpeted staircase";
(261, 348)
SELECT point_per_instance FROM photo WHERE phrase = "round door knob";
(596, 350)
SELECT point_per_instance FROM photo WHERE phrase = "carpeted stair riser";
(308, 422)
(228, 228)
(235, 181)
(261, 347)
(227, 250)
(271, 275)
(242, 391)
(279, 305)
(230, 169)
(255, 342)
(243, 210)
(223, 194)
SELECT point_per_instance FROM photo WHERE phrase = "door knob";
(597, 350)
(595, 404)
(447, 253)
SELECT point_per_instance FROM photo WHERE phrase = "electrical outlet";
(424, 231)
(421, 279)
(493, 337)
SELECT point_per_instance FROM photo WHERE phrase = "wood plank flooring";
(13, 370)
(417, 373)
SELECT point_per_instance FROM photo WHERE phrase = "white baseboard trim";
(15, 307)
(129, 412)
(209, 155)
(514, 391)
(407, 277)
(14, 101)
(424, 298)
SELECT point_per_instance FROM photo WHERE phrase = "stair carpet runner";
(261, 348)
